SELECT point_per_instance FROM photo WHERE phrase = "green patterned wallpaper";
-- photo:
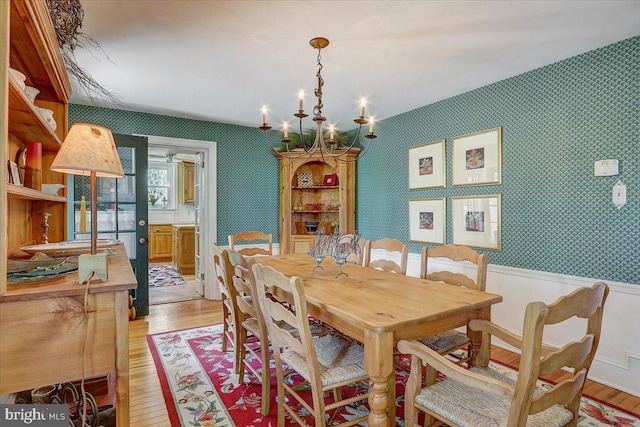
(248, 188)
(556, 121)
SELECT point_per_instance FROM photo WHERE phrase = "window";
(162, 185)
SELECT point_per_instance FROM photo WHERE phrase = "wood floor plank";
(147, 404)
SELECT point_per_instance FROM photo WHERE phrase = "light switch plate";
(619, 194)
(605, 167)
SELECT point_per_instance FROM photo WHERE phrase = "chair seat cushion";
(251, 325)
(470, 407)
(339, 360)
(446, 342)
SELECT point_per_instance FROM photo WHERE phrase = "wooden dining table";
(378, 309)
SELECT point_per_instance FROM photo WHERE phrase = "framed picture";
(476, 221)
(330, 180)
(428, 220)
(427, 167)
(14, 173)
(477, 158)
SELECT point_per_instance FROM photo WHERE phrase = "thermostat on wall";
(605, 167)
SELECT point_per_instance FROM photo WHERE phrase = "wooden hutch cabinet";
(309, 193)
(42, 340)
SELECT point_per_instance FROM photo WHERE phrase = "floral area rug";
(164, 275)
(200, 388)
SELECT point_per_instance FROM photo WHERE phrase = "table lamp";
(90, 149)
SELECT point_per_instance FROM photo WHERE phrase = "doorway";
(189, 222)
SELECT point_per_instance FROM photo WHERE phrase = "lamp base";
(88, 264)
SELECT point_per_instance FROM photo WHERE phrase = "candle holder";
(45, 226)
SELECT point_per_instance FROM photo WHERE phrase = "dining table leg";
(480, 356)
(378, 361)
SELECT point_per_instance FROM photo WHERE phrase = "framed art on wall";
(427, 167)
(477, 158)
(428, 220)
(476, 221)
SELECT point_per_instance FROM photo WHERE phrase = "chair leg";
(241, 354)
(266, 377)
(281, 410)
(414, 383)
(225, 327)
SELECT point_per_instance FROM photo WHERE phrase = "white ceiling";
(221, 60)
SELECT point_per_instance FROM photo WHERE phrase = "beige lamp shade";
(88, 148)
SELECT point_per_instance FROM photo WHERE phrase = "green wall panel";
(556, 121)
(248, 189)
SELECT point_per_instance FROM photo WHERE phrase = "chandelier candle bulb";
(371, 121)
(264, 115)
(285, 128)
(301, 96)
(331, 132)
(363, 103)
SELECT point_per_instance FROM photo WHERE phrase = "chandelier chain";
(317, 110)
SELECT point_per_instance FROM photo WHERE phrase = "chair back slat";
(572, 354)
(582, 303)
(450, 278)
(253, 237)
(561, 394)
(456, 253)
(391, 246)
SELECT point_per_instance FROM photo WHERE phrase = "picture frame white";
(476, 221)
(477, 158)
(428, 220)
(15, 173)
(427, 166)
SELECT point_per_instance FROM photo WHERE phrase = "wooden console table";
(43, 330)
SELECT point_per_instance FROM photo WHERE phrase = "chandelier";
(327, 146)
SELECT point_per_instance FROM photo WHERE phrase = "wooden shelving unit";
(32, 48)
(334, 203)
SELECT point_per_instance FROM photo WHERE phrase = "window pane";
(128, 159)
(158, 176)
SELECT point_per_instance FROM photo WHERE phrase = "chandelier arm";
(290, 154)
(339, 156)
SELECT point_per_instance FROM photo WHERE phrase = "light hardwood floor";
(147, 404)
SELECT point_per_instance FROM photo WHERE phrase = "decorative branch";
(67, 16)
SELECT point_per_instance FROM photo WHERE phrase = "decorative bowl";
(312, 226)
(20, 78)
(51, 188)
(48, 117)
(31, 92)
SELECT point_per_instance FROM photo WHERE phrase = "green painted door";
(122, 211)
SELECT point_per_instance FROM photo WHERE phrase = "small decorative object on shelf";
(336, 246)
(33, 171)
(331, 180)
(305, 180)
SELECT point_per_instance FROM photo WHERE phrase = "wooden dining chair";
(391, 246)
(252, 238)
(484, 396)
(224, 274)
(449, 342)
(326, 363)
(253, 337)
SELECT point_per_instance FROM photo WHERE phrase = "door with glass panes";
(122, 211)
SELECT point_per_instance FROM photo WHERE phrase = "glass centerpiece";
(336, 246)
